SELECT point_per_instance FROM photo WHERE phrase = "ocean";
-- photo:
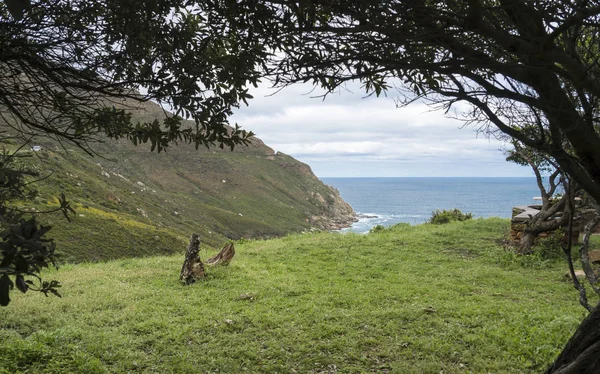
(412, 200)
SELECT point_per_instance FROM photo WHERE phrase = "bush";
(381, 228)
(544, 252)
(550, 248)
(377, 228)
(445, 216)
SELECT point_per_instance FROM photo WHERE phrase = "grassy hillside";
(132, 202)
(421, 299)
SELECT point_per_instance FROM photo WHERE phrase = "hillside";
(132, 202)
(408, 299)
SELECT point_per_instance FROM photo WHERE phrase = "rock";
(522, 214)
(365, 216)
(247, 296)
(337, 213)
(594, 256)
(142, 212)
(580, 274)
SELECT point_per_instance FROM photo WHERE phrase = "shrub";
(445, 216)
(550, 248)
(377, 228)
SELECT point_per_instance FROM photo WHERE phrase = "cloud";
(349, 135)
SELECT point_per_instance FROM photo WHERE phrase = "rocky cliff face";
(331, 211)
(337, 214)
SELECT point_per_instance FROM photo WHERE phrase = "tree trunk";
(192, 268)
(526, 242)
(581, 355)
(539, 224)
(224, 257)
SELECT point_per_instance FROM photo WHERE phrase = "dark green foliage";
(546, 252)
(18, 7)
(24, 248)
(551, 247)
(445, 216)
(77, 76)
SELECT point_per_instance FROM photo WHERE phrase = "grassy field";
(422, 299)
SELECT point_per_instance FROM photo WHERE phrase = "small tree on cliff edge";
(553, 203)
(68, 69)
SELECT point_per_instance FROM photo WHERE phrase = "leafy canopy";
(528, 70)
(70, 69)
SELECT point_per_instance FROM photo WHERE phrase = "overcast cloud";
(347, 135)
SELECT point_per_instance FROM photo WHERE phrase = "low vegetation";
(406, 299)
(445, 216)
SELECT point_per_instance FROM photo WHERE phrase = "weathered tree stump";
(224, 257)
(192, 268)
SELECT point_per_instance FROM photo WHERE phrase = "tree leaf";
(21, 264)
(21, 284)
(5, 286)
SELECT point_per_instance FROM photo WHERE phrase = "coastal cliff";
(133, 202)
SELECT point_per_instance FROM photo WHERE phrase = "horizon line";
(434, 176)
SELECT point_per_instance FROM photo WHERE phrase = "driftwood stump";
(192, 268)
(224, 257)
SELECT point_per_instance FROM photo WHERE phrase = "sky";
(349, 135)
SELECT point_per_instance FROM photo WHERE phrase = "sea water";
(387, 201)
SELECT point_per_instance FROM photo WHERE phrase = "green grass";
(421, 299)
(95, 235)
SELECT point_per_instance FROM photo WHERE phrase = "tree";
(24, 249)
(65, 64)
(556, 209)
(558, 212)
(69, 69)
(516, 63)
